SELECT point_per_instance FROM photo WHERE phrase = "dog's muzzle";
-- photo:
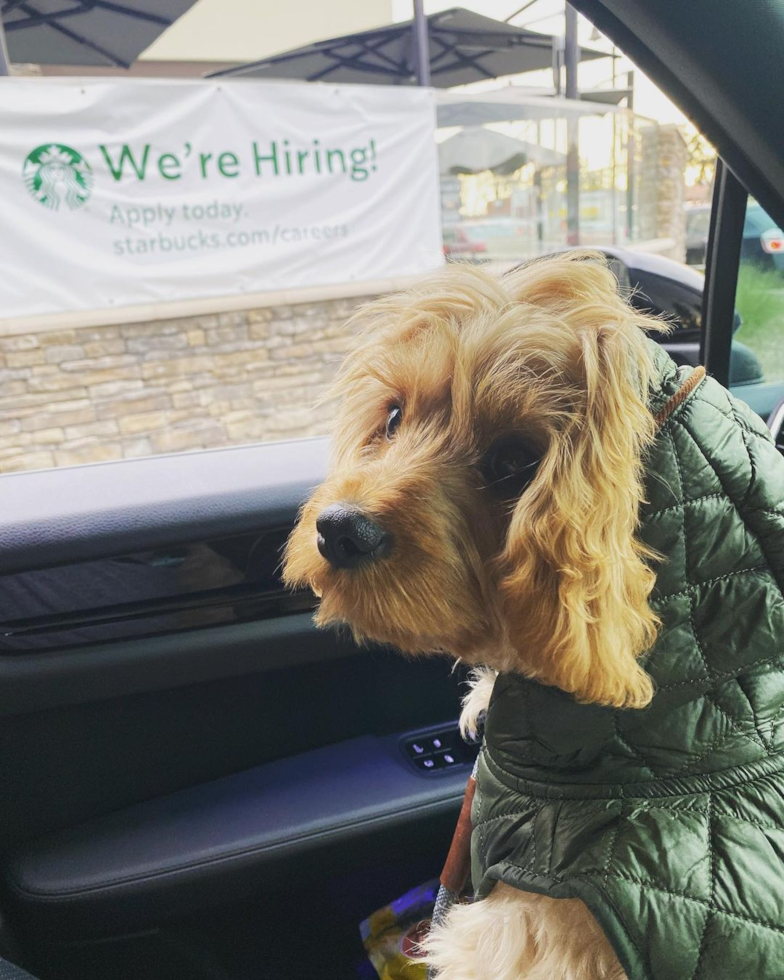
(347, 537)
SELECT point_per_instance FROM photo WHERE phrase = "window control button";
(426, 764)
(449, 759)
(417, 749)
(437, 743)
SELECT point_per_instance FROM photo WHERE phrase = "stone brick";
(58, 338)
(106, 428)
(273, 384)
(232, 318)
(62, 416)
(108, 363)
(155, 327)
(143, 422)
(185, 384)
(263, 315)
(56, 381)
(88, 335)
(155, 342)
(92, 452)
(47, 436)
(227, 333)
(246, 430)
(133, 404)
(131, 371)
(12, 388)
(186, 399)
(204, 436)
(23, 342)
(104, 348)
(136, 447)
(58, 353)
(180, 367)
(28, 461)
(196, 337)
(10, 428)
(115, 389)
(288, 421)
(259, 331)
(14, 401)
(25, 358)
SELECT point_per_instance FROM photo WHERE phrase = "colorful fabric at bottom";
(391, 934)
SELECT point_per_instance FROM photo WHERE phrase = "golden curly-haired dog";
(487, 459)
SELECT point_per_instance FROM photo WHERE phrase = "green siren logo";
(56, 174)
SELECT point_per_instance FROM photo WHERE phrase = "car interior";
(197, 784)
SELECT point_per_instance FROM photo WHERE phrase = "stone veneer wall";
(662, 188)
(110, 392)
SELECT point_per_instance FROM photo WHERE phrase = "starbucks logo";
(56, 174)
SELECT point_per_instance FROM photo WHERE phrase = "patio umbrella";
(84, 32)
(513, 103)
(476, 149)
(463, 47)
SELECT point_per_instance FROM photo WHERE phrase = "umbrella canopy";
(463, 47)
(85, 32)
(476, 149)
(513, 103)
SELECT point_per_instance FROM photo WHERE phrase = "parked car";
(763, 240)
(459, 244)
(490, 239)
(674, 291)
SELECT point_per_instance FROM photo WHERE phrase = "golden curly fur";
(551, 582)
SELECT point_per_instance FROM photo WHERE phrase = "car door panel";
(190, 762)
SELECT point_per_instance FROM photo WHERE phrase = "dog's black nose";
(346, 536)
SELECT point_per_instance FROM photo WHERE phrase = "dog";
(493, 451)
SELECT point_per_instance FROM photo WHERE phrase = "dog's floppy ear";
(576, 583)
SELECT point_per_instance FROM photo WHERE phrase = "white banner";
(117, 193)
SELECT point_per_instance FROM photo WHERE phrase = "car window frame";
(722, 266)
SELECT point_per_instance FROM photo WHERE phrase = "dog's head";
(486, 479)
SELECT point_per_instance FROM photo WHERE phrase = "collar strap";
(680, 395)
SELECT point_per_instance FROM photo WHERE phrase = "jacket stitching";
(589, 876)
(622, 790)
(703, 755)
(752, 823)
(750, 733)
(555, 832)
(646, 516)
(740, 511)
(695, 586)
(636, 752)
(533, 812)
(740, 422)
(753, 474)
(613, 842)
(712, 880)
(724, 674)
(775, 927)
(758, 725)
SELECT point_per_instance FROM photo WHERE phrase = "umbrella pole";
(5, 64)
(421, 45)
(571, 58)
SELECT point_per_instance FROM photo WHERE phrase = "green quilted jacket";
(668, 822)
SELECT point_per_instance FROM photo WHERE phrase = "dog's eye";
(394, 419)
(509, 466)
